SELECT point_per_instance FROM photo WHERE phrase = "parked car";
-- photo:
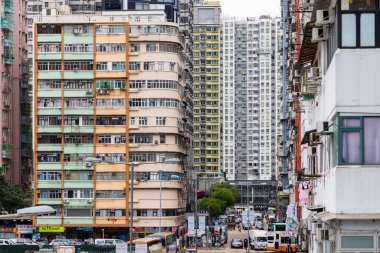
(107, 241)
(22, 241)
(237, 243)
(64, 242)
(188, 251)
(5, 242)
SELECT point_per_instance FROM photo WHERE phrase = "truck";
(259, 239)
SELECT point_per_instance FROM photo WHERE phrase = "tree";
(225, 185)
(12, 197)
(225, 196)
(213, 206)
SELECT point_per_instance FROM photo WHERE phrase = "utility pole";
(160, 177)
(196, 214)
(131, 209)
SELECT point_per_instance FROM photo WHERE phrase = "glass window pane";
(351, 123)
(348, 30)
(372, 140)
(351, 147)
(367, 30)
(363, 242)
(357, 5)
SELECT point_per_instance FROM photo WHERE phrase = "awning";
(308, 48)
(326, 216)
(317, 208)
(305, 138)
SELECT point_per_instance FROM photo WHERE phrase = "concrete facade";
(251, 97)
(108, 87)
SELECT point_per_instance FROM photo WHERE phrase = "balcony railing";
(7, 23)
(8, 6)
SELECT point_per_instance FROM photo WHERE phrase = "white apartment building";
(340, 126)
(251, 97)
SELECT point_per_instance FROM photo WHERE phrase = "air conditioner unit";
(156, 142)
(311, 151)
(324, 127)
(313, 73)
(90, 201)
(76, 69)
(76, 31)
(87, 164)
(314, 138)
(66, 201)
(89, 92)
(67, 173)
(320, 34)
(324, 17)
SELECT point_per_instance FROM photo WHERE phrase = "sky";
(250, 8)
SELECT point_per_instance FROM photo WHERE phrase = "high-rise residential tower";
(251, 90)
(114, 87)
(15, 159)
(207, 88)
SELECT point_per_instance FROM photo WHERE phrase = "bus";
(168, 241)
(146, 245)
(231, 219)
(280, 241)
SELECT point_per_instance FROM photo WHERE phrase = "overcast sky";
(250, 8)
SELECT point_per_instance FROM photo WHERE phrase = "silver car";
(237, 243)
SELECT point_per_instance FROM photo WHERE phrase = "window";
(160, 121)
(151, 47)
(118, 66)
(110, 194)
(358, 26)
(143, 121)
(358, 5)
(361, 242)
(102, 65)
(133, 65)
(360, 140)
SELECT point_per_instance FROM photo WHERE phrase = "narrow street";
(231, 235)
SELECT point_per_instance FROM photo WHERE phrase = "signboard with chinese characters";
(51, 229)
(191, 224)
(121, 248)
(141, 248)
(202, 224)
(25, 229)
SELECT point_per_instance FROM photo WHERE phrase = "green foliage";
(213, 206)
(12, 197)
(227, 186)
(223, 195)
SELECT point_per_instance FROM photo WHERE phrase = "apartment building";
(207, 88)
(251, 97)
(115, 87)
(15, 160)
(334, 122)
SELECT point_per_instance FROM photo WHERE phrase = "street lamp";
(93, 160)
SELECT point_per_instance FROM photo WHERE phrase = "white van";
(107, 241)
(259, 240)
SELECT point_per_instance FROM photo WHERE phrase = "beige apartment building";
(115, 87)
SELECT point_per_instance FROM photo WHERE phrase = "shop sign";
(121, 248)
(141, 248)
(25, 229)
(191, 224)
(84, 229)
(51, 229)
(6, 230)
